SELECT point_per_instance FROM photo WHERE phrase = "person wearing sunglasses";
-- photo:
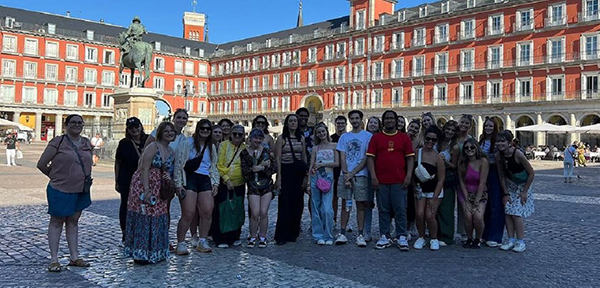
(465, 123)
(262, 123)
(197, 177)
(449, 151)
(231, 188)
(473, 170)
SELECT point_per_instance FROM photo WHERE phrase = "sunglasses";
(237, 134)
(76, 122)
(430, 139)
(133, 126)
(260, 122)
(470, 148)
(205, 128)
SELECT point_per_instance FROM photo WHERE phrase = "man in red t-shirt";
(391, 161)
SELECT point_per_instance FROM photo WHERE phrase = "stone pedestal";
(138, 102)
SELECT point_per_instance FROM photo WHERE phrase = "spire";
(299, 23)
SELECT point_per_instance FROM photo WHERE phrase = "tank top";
(472, 180)
(429, 185)
(490, 151)
(286, 150)
(325, 156)
(446, 154)
(512, 164)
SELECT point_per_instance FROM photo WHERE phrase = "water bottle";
(348, 205)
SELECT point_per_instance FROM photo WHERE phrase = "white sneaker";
(341, 239)
(443, 244)
(237, 243)
(223, 245)
(203, 246)
(383, 243)
(419, 243)
(519, 247)
(434, 245)
(321, 242)
(328, 242)
(403, 244)
(492, 244)
(194, 241)
(360, 241)
(508, 245)
(181, 249)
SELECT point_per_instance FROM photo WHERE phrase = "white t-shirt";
(355, 146)
(175, 143)
(96, 142)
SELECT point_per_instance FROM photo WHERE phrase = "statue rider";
(134, 34)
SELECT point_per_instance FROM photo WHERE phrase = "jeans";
(369, 210)
(322, 211)
(568, 170)
(392, 197)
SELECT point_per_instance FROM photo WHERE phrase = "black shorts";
(197, 182)
(96, 152)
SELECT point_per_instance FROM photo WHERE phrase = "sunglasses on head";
(236, 134)
(430, 139)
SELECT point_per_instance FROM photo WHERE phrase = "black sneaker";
(262, 243)
(476, 244)
(468, 243)
(251, 243)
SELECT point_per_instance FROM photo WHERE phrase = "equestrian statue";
(135, 53)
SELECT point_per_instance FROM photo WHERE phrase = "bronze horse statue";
(139, 55)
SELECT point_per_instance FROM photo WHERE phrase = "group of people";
(415, 174)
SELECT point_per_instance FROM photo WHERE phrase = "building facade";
(522, 62)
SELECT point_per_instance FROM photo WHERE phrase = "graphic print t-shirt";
(355, 146)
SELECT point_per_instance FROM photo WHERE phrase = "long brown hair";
(443, 135)
(508, 136)
(208, 140)
(463, 162)
(492, 138)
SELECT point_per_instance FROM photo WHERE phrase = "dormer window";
(9, 22)
(51, 28)
(445, 7)
(402, 16)
(200, 52)
(249, 47)
(361, 19)
(422, 11)
(187, 50)
(89, 35)
(157, 46)
(268, 43)
(471, 3)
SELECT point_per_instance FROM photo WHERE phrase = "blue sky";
(228, 20)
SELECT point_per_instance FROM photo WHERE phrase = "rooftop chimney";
(68, 13)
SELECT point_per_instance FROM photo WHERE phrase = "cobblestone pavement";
(561, 236)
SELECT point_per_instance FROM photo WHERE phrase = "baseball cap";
(133, 121)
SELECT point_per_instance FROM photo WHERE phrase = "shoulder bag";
(192, 165)
(300, 167)
(323, 182)
(87, 182)
(421, 172)
(259, 183)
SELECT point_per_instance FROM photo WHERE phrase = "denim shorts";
(197, 182)
(62, 204)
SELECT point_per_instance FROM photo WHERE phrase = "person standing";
(352, 147)
(127, 158)
(226, 126)
(391, 162)
(97, 143)
(494, 211)
(305, 130)
(67, 161)
(12, 145)
(321, 180)
(373, 126)
(340, 128)
(292, 176)
(448, 149)
(570, 154)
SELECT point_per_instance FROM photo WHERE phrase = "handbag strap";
(292, 150)
(234, 154)
(135, 148)
(78, 155)
(419, 157)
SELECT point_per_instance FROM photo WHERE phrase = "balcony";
(418, 42)
(494, 31)
(588, 16)
(466, 35)
(591, 55)
(555, 96)
(555, 21)
(494, 99)
(441, 39)
(555, 59)
(522, 27)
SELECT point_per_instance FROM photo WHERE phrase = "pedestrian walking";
(12, 146)
(97, 143)
(570, 153)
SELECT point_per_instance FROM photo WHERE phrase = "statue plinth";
(138, 102)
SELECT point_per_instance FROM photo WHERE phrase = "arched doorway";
(557, 140)
(525, 137)
(592, 139)
(314, 104)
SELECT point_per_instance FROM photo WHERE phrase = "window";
(51, 49)
(556, 15)
(361, 16)
(286, 59)
(556, 48)
(397, 96)
(9, 44)
(328, 76)
(159, 64)
(189, 68)
(467, 29)
(441, 94)
(9, 22)
(589, 86)
(265, 83)
(30, 70)
(419, 37)
(398, 40)
(158, 83)
(228, 86)
(524, 53)
(341, 50)
(418, 66)
(50, 96)
(276, 60)
(329, 51)
(107, 101)
(189, 104)
(72, 52)
(416, 97)
(359, 47)
(296, 79)
(29, 95)
(7, 94)
(441, 33)
(275, 82)
(244, 106)
(555, 87)
(178, 86)
(422, 11)
(445, 7)
(202, 88)
(378, 44)
(286, 80)
(31, 46)
(377, 71)
(358, 99)
(202, 70)
(524, 88)
(255, 84)
(109, 57)
(312, 78)
(312, 55)
(494, 91)
(495, 57)
(590, 12)
(590, 47)
(339, 99)
(266, 61)
(8, 68)
(340, 75)
(397, 68)
(246, 85)
(441, 63)
(51, 72)
(91, 54)
(496, 25)
(524, 20)
(90, 76)
(296, 57)
(376, 98)
(255, 63)
(467, 60)
(359, 73)
(466, 93)
(179, 67)
(89, 35)
(275, 104)
(108, 78)
(124, 81)
(70, 98)
(71, 74)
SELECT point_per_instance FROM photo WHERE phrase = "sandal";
(54, 267)
(78, 263)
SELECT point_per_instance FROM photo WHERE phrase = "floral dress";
(147, 232)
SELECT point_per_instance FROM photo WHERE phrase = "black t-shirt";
(128, 157)
(11, 143)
